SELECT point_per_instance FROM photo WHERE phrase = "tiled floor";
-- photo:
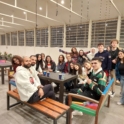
(22, 114)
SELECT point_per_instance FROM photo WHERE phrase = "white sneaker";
(110, 93)
(75, 112)
(119, 103)
(53, 84)
(113, 94)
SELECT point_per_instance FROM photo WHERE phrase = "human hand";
(60, 50)
(114, 61)
(40, 92)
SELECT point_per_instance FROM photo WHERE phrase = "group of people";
(93, 70)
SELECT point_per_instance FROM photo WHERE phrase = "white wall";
(27, 51)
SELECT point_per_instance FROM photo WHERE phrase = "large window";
(30, 38)
(103, 32)
(21, 38)
(42, 37)
(77, 35)
(56, 36)
(8, 38)
(14, 39)
(3, 42)
(121, 44)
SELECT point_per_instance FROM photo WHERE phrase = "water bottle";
(56, 69)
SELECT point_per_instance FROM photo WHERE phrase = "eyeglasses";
(94, 63)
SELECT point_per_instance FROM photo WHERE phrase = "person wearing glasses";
(95, 83)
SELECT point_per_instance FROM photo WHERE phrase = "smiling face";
(71, 65)
(96, 64)
(87, 66)
(26, 62)
(76, 67)
(39, 57)
(16, 61)
(33, 60)
(121, 55)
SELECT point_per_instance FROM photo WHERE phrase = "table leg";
(61, 92)
(2, 75)
(11, 68)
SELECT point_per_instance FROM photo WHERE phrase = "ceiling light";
(24, 12)
(2, 18)
(62, 1)
(40, 8)
(11, 15)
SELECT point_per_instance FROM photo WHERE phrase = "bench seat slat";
(37, 106)
(57, 104)
(51, 106)
(83, 109)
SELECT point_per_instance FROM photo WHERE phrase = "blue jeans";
(122, 86)
(12, 83)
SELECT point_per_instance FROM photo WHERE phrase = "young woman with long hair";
(50, 65)
(120, 74)
(61, 63)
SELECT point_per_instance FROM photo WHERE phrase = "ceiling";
(91, 9)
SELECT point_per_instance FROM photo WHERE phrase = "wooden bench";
(89, 111)
(48, 107)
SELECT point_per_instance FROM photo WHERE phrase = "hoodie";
(26, 83)
(106, 60)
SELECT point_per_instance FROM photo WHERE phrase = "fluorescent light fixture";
(11, 15)
(62, 1)
(24, 12)
(40, 8)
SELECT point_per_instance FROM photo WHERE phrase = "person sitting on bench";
(95, 83)
(28, 88)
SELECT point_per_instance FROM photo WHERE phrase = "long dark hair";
(72, 71)
(72, 53)
(83, 53)
(63, 59)
(118, 59)
(17, 57)
(39, 63)
(50, 60)
(80, 68)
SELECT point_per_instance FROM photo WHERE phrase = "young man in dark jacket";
(105, 58)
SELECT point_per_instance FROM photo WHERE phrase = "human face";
(96, 64)
(81, 53)
(60, 58)
(68, 57)
(87, 66)
(48, 59)
(74, 50)
(114, 44)
(76, 67)
(39, 57)
(26, 62)
(92, 50)
(100, 48)
(42, 56)
(121, 55)
(16, 61)
(33, 60)
(71, 66)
